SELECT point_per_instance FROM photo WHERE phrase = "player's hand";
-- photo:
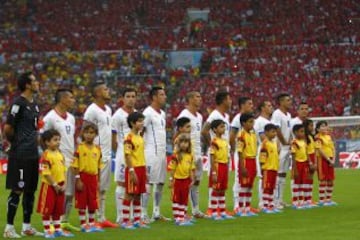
(79, 185)
(171, 183)
(62, 188)
(133, 178)
(243, 172)
(214, 177)
(57, 189)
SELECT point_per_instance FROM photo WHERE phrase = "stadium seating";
(307, 48)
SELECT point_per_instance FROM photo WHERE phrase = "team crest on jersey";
(15, 109)
(21, 184)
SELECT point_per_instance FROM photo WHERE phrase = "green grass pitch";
(340, 222)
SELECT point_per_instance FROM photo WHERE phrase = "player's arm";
(293, 149)
(114, 143)
(281, 137)
(241, 162)
(128, 160)
(8, 132)
(233, 132)
(172, 167)
(205, 133)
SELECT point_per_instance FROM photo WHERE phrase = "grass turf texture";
(340, 222)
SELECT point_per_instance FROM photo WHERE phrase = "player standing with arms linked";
(120, 129)
(21, 130)
(62, 121)
(281, 118)
(155, 151)
(194, 101)
(99, 114)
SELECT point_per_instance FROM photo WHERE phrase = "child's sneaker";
(128, 225)
(30, 231)
(49, 234)
(141, 225)
(62, 233)
(95, 228)
(216, 217)
(330, 203)
(183, 223)
(68, 226)
(10, 233)
(226, 216)
(268, 210)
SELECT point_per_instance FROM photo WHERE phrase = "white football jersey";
(66, 127)
(235, 123)
(121, 128)
(196, 126)
(294, 121)
(259, 127)
(155, 131)
(101, 117)
(282, 120)
(214, 115)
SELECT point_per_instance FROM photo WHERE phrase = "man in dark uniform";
(22, 176)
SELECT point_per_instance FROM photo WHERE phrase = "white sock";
(102, 207)
(145, 201)
(157, 199)
(9, 226)
(281, 189)
(260, 193)
(119, 197)
(25, 226)
(194, 197)
(236, 199)
(209, 198)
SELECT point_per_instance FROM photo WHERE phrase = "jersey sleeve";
(100, 162)
(235, 124)
(147, 119)
(45, 165)
(90, 115)
(214, 147)
(240, 142)
(318, 142)
(276, 119)
(14, 113)
(48, 123)
(75, 162)
(263, 153)
(294, 146)
(128, 146)
(115, 122)
(173, 162)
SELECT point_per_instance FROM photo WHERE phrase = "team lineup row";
(261, 146)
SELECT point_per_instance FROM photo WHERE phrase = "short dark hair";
(243, 100)
(281, 96)
(128, 89)
(302, 103)
(221, 96)
(60, 93)
(217, 122)
(89, 125)
(154, 91)
(245, 117)
(182, 121)
(134, 117)
(48, 135)
(262, 104)
(269, 127)
(297, 127)
(23, 80)
(96, 84)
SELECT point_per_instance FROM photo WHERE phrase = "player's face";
(54, 143)
(104, 92)
(184, 145)
(129, 99)
(68, 100)
(34, 85)
(227, 102)
(287, 102)
(271, 134)
(300, 133)
(139, 125)
(248, 106)
(160, 97)
(311, 128)
(249, 124)
(186, 128)
(268, 108)
(197, 100)
(303, 111)
(89, 135)
(220, 129)
(323, 129)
